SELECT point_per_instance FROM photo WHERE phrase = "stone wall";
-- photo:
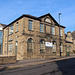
(7, 59)
(24, 34)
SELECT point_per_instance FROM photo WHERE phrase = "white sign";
(48, 44)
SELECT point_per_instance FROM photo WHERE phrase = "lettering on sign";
(48, 44)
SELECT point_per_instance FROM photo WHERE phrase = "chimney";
(69, 34)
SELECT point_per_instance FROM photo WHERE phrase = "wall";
(7, 59)
(24, 34)
(1, 37)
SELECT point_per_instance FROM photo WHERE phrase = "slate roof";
(3, 24)
(36, 18)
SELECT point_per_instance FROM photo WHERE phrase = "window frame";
(30, 25)
(42, 46)
(1, 34)
(54, 48)
(10, 47)
(41, 27)
(30, 46)
(11, 29)
(17, 26)
(53, 30)
(60, 32)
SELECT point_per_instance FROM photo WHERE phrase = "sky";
(12, 9)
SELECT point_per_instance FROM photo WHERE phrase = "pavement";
(23, 63)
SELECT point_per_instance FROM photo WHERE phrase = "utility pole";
(59, 34)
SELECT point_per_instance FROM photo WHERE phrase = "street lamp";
(59, 18)
(59, 34)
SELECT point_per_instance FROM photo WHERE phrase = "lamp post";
(59, 34)
(59, 18)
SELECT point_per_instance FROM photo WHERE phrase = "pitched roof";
(52, 19)
(3, 24)
(24, 15)
(73, 34)
(33, 17)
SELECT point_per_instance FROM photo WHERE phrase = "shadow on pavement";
(3, 69)
(67, 66)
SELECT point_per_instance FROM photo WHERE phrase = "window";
(54, 46)
(60, 32)
(41, 28)
(30, 26)
(69, 48)
(42, 46)
(61, 47)
(10, 46)
(17, 25)
(30, 45)
(1, 34)
(0, 48)
(53, 30)
(11, 29)
(1, 39)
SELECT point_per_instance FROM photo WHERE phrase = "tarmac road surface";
(62, 67)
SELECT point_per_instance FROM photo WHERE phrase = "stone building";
(70, 43)
(31, 37)
(1, 36)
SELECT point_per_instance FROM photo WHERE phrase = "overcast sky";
(12, 9)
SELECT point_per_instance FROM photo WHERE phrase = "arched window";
(30, 45)
(54, 46)
(61, 47)
(42, 46)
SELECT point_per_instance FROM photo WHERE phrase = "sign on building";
(48, 44)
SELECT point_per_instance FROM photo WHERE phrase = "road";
(63, 67)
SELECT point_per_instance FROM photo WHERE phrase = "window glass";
(60, 32)
(1, 34)
(54, 47)
(69, 48)
(42, 46)
(10, 46)
(11, 29)
(53, 30)
(30, 45)
(41, 27)
(30, 27)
